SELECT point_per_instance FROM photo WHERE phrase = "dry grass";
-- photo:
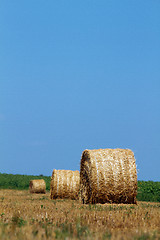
(25, 217)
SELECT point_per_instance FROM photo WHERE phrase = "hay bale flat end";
(37, 186)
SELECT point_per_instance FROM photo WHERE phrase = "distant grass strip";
(148, 191)
(20, 182)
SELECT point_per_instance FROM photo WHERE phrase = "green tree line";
(148, 191)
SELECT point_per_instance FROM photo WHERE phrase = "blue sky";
(78, 75)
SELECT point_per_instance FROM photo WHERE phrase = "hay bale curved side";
(37, 186)
(108, 175)
(65, 184)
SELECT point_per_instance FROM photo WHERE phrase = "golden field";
(26, 216)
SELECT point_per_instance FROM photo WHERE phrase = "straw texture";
(64, 184)
(37, 186)
(108, 175)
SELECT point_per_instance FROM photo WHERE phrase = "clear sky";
(78, 75)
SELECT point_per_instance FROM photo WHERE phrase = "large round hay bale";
(37, 186)
(108, 175)
(64, 184)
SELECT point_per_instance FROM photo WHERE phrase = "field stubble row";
(36, 216)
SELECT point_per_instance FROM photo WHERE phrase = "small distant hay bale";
(64, 184)
(108, 175)
(37, 186)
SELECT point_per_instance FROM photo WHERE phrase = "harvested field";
(25, 216)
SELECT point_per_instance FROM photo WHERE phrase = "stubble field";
(26, 216)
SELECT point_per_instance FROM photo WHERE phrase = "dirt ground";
(35, 216)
